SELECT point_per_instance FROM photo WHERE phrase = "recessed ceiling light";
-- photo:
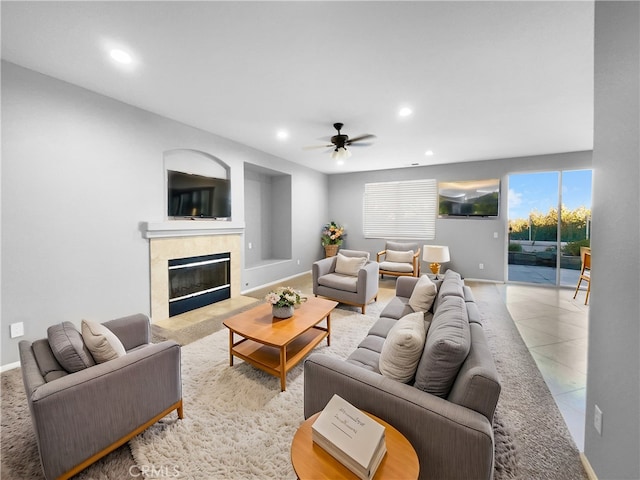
(282, 134)
(405, 112)
(121, 56)
(428, 153)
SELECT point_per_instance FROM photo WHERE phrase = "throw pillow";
(68, 347)
(402, 349)
(349, 265)
(446, 348)
(399, 257)
(423, 295)
(103, 344)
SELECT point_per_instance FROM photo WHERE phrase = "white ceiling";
(484, 79)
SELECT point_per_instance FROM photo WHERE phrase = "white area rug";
(238, 424)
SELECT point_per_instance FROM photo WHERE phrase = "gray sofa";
(80, 417)
(451, 431)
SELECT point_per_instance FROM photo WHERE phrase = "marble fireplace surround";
(180, 239)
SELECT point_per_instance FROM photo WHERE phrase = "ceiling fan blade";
(361, 137)
(361, 144)
(313, 147)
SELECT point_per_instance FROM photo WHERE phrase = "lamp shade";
(435, 253)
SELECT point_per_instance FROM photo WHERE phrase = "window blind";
(404, 209)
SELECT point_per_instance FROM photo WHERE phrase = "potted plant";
(283, 301)
(332, 237)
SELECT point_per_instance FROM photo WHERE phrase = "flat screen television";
(473, 198)
(197, 196)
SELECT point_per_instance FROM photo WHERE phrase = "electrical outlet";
(597, 419)
(250, 245)
(495, 234)
(16, 329)
(481, 266)
(298, 261)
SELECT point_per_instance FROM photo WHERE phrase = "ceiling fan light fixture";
(340, 154)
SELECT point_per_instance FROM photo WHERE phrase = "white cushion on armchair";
(349, 265)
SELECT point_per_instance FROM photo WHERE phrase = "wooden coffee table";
(276, 345)
(310, 461)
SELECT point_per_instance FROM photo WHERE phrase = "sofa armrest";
(405, 286)
(320, 268)
(85, 412)
(451, 441)
(416, 263)
(368, 276)
(132, 330)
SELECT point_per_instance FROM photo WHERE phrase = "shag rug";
(239, 425)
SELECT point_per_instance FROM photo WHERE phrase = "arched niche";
(209, 195)
(196, 162)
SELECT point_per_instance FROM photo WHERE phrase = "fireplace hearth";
(198, 281)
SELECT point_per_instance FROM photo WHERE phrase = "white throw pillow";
(402, 349)
(398, 257)
(424, 293)
(349, 265)
(103, 344)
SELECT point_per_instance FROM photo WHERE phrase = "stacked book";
(351, 437)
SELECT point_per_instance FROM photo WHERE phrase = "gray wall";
(470, 241)
(613, 363)
(80, 171)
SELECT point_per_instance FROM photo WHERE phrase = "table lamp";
(435, 254)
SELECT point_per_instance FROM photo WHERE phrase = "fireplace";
(198, 281)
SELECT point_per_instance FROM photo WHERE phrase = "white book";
(352, 437)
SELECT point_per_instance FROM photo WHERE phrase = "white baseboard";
(277, 282)
(9, 366)
(587, 467)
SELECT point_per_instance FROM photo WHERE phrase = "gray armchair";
(350, 285)
(399, 259)
(80, 417)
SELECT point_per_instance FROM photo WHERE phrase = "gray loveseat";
(79, 417)
(451, 431)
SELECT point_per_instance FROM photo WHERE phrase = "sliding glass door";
(549, 220)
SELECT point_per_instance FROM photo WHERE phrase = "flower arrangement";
(332, 234)
(283, 297)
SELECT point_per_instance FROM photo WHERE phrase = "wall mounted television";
(197, 196)
(472, 198)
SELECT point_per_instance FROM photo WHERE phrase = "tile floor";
(556, 333)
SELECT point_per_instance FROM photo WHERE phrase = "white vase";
(282, 312)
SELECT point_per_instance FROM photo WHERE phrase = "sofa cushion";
(424, 293)
(399, 257)
(49, 367)
(403, 347)
(365, 358)
(402, 246)
(396, 267)
(446, 347)
(381, 327)
(349, 265)
(397, 308)
(101, 342)
(338, 281)
(68, 347)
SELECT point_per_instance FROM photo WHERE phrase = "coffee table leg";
(283, 370)
(329, 330)
(230, 348)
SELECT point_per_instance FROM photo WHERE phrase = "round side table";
(310, 461)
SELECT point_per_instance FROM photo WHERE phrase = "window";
(401, 209)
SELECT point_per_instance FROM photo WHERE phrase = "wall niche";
(267, 202)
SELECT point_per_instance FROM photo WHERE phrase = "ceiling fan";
(340, 142)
